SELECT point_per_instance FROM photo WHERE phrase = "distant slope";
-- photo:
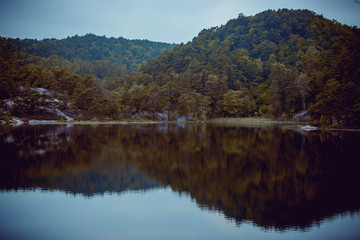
(91, 54)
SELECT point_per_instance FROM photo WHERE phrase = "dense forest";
(274, 64)
(90, 54)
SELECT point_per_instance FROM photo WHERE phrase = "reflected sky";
(155, 214)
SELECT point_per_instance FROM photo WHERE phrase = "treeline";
(274, 64)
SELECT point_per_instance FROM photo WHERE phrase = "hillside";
(70, 78)
(275, 64)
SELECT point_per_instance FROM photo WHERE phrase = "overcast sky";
(172, 21)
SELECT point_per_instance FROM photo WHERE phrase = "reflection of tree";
(274, 177)
(76, 160)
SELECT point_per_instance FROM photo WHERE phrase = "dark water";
(178, 181)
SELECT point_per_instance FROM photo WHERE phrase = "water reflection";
(274, 177)
(82, 159)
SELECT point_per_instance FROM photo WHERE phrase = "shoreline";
(304, 126)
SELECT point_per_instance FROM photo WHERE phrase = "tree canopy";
(275, 64)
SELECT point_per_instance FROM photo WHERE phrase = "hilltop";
(90, 54)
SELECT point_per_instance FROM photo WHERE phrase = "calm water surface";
(178, 181)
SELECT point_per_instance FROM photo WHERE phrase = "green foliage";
(90, 54)
(335, 106)
(193, 105)
(235, 104)
(282, 59)
(276, 64)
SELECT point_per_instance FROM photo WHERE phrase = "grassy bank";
(247, 120)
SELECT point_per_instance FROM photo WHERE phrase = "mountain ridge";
(89, 51)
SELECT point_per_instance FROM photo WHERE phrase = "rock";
(308, 128)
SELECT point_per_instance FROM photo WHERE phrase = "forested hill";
(275, 64)
(90, 54)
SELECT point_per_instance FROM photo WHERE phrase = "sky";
(172, 21)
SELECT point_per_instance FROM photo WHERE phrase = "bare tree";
(302, 84)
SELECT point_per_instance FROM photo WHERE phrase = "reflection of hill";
(273, 177)
(73, 159)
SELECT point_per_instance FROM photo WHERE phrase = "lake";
(178, 181)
